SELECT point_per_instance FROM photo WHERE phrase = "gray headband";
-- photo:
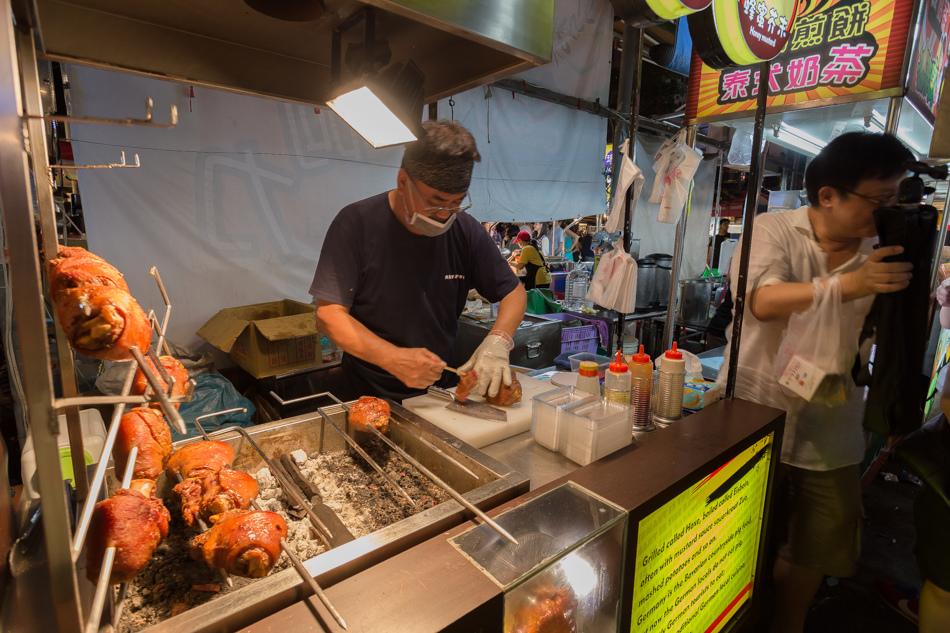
(444, 158)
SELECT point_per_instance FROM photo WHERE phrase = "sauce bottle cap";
(618, 366)
(640, 357)
(587, 368)
(673, 354)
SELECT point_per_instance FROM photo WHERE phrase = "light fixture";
(384, 108)
(799, 139)
(879, 120)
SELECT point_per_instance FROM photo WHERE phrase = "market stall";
(704, 483)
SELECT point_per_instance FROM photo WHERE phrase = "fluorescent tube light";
(366, 113)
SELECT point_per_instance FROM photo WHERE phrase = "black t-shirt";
(407, 289)
(719, 239)
(586, 250)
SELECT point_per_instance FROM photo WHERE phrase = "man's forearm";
(350, 335)
(782, 300)
(511, 311)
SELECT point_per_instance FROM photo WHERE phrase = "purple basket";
(582, 338)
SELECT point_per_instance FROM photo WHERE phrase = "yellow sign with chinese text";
(845, 47)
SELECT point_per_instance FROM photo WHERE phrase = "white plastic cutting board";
(476, 431)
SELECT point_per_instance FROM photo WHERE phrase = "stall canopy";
(232, 204)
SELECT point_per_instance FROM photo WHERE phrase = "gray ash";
(173, 582)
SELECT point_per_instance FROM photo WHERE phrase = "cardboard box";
(267, 338)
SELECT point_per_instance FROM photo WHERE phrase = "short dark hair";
(443, 158)
(852, 158)
(725, 221)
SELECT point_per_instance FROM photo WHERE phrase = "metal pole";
(47, 215)
(678, 253)
(893, 115)
(941, 236)
(751, 200)
(718, 206)
(628, 97)
(25, 281)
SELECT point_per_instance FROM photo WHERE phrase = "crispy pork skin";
(467, 382)
(216, 493)
(173, 368)
(199, 459)
(242, 543)
(103, 322)
(553, 611)
(507, 395)
(369, 411)
(132, 523)
(147, 430)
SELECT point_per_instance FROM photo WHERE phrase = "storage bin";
(93, 440)
(602, 362)
(580, 339)
(591, 430)
(545, 423)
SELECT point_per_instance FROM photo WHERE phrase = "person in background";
(571, 245)
(557, 240)
(585, 242)
(817, 487)
(395, 271)
(720, 237)
(541, 238)
(536, 271)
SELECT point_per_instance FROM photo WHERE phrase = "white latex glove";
(490, 363)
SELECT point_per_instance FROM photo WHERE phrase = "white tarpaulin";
(541, 160)
(233, 204)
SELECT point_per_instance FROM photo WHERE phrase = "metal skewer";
(433, 447)
(322, 531)
(108, 560)
(364, 454)
(436, 480)
(302, 571)
(174, 418)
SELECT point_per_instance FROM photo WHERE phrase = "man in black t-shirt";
(396, 268)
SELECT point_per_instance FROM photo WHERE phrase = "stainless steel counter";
(529, 458)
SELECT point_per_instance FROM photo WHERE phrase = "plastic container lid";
(588, 368)
(641, 357)
(673, 354)
(618, 366)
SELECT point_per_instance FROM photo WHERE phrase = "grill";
(480, 479)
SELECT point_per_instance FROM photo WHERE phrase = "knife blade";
(474, 409)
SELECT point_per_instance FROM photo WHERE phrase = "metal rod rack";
(321, 529)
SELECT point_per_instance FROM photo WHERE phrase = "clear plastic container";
(591, 430)
(93, 440)
(602, 362)
(546, 427)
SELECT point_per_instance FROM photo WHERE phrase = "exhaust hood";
(227, 44)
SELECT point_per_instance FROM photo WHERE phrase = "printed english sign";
(834, 48)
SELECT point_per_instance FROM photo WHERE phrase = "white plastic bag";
(815, 358)
(629, 174)
(614, 283)
(665, 162)
(674, 197)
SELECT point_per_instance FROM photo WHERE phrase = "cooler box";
(93, 439)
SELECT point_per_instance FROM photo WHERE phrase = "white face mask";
(426, 225)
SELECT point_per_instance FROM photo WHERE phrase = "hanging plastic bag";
(614, 283)
(665, 162)
(674, 198)
(815, 358)
(629, 175)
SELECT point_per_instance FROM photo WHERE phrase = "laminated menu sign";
(697, 554)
